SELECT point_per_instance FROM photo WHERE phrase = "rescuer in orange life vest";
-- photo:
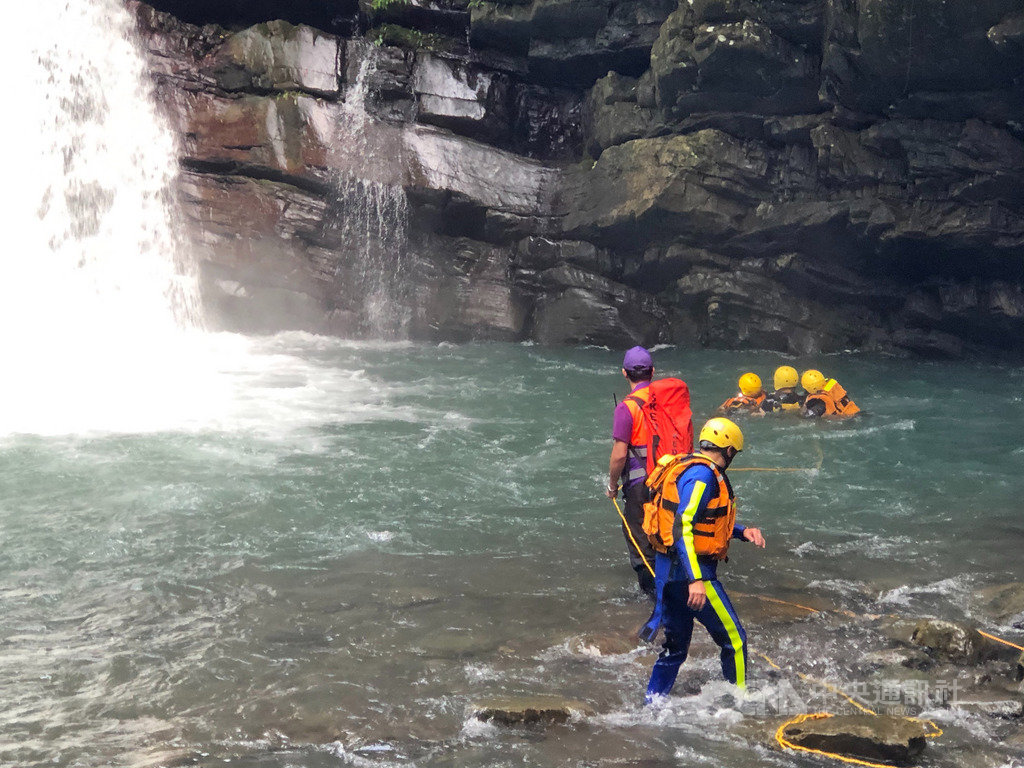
(826, 398)
(690, 520)
(628, 462)
(749, 399)
(784, 398)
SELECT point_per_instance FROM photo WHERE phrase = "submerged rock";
(960, 643)
(528, 710)
(993, 705)
(1004, 602)
(869, 737)
(909, 658)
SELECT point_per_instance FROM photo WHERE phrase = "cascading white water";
(373, 213)
(98, 167)
(95, 289)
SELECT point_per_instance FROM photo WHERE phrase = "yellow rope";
(780, 734)
(776, 600)
(1000, 640)
(630, 534)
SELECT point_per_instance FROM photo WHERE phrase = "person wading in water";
(690, 521)
(628, 463)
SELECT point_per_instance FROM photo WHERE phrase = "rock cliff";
(797, 175)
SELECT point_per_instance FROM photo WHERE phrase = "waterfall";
(95, 288)
(371, 212)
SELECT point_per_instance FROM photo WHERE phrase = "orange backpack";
(667, 414)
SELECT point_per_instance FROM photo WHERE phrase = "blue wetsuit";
(697, 486)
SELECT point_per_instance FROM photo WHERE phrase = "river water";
(363, 539)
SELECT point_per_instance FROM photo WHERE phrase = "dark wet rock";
(469, 296)
(992, 705)
(580, 307)
(278, 56)
(329, 16)
(907, 658)
(572, 42)
(528, 710)
(797, 175)
(867, 737)
(756, 610)
(1008, 35)
(445, 17)
(541, 253)
(1004, 603)
(614, 115)
(452, 644)
(467, 99)
(960, 643)
(741, 65)
(412, 597)
(882, 59)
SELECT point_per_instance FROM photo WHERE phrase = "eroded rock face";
(800, 175)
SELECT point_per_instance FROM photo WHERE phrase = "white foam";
(474, 728)
(956, 586)
(851, 430)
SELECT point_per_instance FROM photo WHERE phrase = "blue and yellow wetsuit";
(675, 570)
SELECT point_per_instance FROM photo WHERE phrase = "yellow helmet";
(721, 433)
(750, 384)
(812, 381)
(786, 376)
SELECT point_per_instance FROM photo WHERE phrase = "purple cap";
(637, 357)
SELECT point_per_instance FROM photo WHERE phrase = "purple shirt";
(622, 429)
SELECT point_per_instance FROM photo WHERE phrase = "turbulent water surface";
(360, 540)
(295, 551)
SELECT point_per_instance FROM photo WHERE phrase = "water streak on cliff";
(371, 209)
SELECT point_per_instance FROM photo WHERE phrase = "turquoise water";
(360, 540)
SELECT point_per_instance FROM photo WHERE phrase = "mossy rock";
(411, 39)
(528, 710)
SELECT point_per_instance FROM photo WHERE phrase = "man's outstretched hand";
(753, 535)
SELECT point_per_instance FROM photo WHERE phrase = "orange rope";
(1000, 640)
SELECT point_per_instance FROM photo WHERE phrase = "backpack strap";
(632, 449)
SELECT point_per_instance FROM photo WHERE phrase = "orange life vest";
(712, 528)
(835, 400)
(742, 403)
(640, 435)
